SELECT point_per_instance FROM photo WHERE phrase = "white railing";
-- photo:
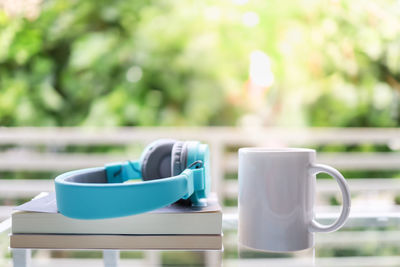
(43, 149)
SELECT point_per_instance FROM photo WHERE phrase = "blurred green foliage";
(129, 62)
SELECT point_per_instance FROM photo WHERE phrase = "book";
(175, 219)
(120, 242)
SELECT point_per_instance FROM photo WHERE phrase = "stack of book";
(37, 224)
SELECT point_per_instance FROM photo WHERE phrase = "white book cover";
(164, 242)
(40, 216)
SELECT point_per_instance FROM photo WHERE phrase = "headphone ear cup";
(178, 158)
(156, 161)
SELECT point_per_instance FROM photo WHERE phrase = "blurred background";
(243, 72)
(173, 63)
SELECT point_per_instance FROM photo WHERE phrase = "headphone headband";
(105, 200)
(98, 193)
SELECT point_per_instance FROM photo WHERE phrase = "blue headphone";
(167, 171)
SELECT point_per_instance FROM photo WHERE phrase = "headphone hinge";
(198, 180)
(114, 172)
(119, 172)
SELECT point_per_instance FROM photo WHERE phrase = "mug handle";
(344, 188)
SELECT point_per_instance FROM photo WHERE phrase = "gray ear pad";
(156, 163)
(178, 158)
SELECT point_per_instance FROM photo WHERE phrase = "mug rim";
(276, 150)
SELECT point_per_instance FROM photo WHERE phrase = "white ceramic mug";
(276, 198)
